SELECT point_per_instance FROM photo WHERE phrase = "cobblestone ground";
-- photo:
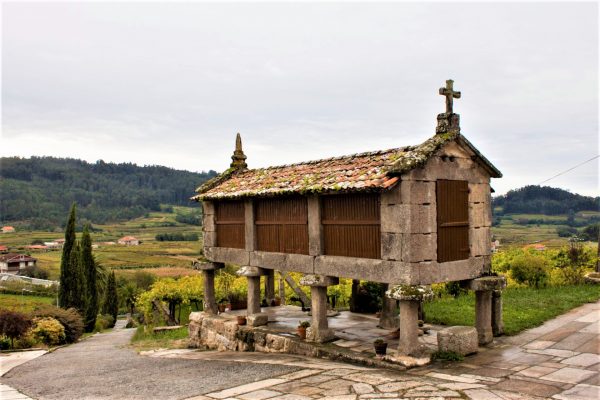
(558, 360)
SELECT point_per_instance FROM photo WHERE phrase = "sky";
(172, 83)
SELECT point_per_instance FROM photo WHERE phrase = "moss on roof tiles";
(370, 171)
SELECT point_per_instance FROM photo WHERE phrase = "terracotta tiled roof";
(373, 171)
(14, 257)
(128, 238)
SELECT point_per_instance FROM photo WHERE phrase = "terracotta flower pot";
(241, 320)
(302, 332)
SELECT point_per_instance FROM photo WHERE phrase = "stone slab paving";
(558, 360)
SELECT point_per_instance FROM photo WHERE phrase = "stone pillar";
(270, 287)
(483, 316)
(208, 272)
(410, 297)
(483, 288)
(497, 322)
(388, 318)
(319, 330)
(409, 329)
(253, 274)
(253, 295)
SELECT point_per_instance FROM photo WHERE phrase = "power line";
(570, 169)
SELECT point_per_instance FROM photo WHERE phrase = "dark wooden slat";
(351, 225)
(282, 225)
(230, 224)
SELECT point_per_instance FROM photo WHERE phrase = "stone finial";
(448, 122)
(238, 157)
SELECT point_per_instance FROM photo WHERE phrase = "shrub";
(573, 261)
(70, 319)
(48, 331)
(4, 343)
(33, 271)
(566, 231)
(13, 325)
(530, 269)
(103, 322)
(454, 289)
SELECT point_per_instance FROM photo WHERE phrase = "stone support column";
(270, 287)
(409, 329)
(497, 322)
(483, 316)
(483, 288)
(410, 297)
(253, 294)
(208, 272)
(315, 229)
(253, 274)
(389, 319)
(319, 330)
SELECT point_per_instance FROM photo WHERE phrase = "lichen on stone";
(410, 292)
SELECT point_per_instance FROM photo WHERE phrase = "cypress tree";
(88, 267)
(74, 281)
(65, 280)
(111, 302)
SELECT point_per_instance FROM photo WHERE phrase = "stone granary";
(409, 216)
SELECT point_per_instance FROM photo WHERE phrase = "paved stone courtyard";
(558, 360)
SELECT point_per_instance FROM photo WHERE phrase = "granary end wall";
(408, 231)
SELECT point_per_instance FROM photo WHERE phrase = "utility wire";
(570, 169)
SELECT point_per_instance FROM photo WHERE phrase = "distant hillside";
(37, 192)
(535, 199)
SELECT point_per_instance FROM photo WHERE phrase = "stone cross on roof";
(238, 157)
(450, 94)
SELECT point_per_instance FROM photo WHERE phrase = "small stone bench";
(458, 339)
(159, 329)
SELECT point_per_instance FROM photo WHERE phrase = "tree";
(74, 282)
(111, 301)
(65, 279)
(88, 268)
(13, 325)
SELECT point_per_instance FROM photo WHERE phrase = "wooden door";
(452, 220)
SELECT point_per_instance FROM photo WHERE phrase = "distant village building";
(38, 247)
(495, 246)
(53, 245)
(61, 242)
(3, 249)
(129, 241)
(13, 263)
(8, 229)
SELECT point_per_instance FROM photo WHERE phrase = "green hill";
(546, 200)
(37, 192)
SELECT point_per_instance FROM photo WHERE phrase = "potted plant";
(276, 302)
(380, 347)
(302, 329)
(241, 319)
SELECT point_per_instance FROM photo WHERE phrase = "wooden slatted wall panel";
(351, 225)
(452, 220)
(230, 224)
(282, 225)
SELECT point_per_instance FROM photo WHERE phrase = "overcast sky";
(171, 84)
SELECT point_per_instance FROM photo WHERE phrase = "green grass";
(21, 303)
(145, 339)
(524, 308)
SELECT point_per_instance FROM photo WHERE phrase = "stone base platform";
(355, 334)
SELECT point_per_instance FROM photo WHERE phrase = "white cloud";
(171, 84)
